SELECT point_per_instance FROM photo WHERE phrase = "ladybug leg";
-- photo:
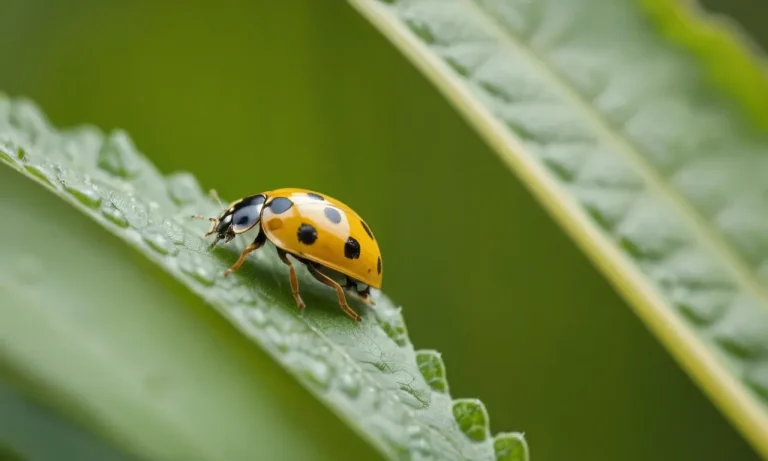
(339, 291)
(294, 279)
(258, 242)
(364, 295)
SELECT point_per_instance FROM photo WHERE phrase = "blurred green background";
(254, 95)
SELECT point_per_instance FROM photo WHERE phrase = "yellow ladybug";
(327, 236)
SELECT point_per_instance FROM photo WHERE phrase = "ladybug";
(324, 234)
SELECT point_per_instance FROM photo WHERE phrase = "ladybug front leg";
(294, 279)
(339, 291)
(258, 242)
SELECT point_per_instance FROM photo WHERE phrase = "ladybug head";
(241, 217)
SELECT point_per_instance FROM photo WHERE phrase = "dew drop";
(42, 172)
(258, 317)
(118, 156)
(173, 231)
(5, 153)
(157, 240)
(392, 410)
(114, 215)
(183, 188)
(418, 442)
(244, 296)
(371, 395)
(197, 267)
(132, 210)
(25, 116)
(277, 338)
(349, 384)
(316, 371)
(84, 194)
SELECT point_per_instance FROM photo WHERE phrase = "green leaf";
(626, 139)
(109, 321)
(23, 423)
(728, 55)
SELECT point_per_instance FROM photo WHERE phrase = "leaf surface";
(122, 338)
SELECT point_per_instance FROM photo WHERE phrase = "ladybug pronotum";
(322, 233)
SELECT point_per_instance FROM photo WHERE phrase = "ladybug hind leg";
(364, 294)
(339, 291)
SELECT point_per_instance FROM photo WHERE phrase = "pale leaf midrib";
(697, 224)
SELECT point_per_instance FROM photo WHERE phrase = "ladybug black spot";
(280, 205)
(315, 196)
(352, 248)
(307, 234)
(378, 266)
(332, 214)
(367, 230)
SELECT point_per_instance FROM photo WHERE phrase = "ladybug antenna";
(215, 195)
(214, 223)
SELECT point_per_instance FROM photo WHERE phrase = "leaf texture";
(623, 137)
(369, 374)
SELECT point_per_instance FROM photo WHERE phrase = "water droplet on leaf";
(157, 240)
(183, 188)
(43, 172)
(114, 215)
(258, 317)
(85, 194)
(316, 371)
(118, 156)
(197, 267)
(277, 338)
(349, 384)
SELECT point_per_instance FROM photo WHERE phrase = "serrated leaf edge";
(20, 165)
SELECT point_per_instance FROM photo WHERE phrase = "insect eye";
(247, 215)
(224, 224)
